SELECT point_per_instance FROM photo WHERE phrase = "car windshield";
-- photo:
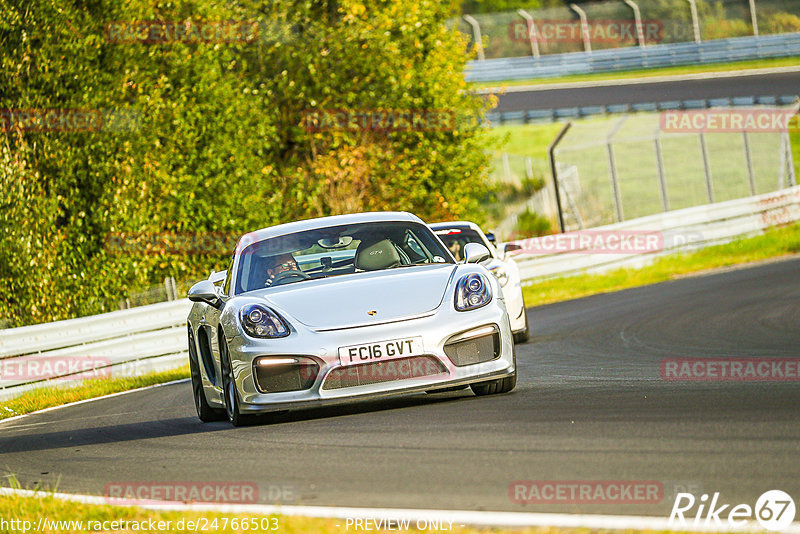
(456, 239)
(334, 251)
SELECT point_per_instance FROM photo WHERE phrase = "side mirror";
(475, 253)
(491, 238)
(205, 291)
(511, 247)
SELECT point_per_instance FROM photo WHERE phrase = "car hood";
(346, 300)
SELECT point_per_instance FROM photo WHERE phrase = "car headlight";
(472, 291)
(501, 275)
(260, 321)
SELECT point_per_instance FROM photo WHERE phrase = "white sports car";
(456, 235)
(345, 308)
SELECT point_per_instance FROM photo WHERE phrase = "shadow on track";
(183, 426)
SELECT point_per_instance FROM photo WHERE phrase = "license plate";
(380, 351)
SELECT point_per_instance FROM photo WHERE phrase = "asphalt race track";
(590, 405)
(777, 84)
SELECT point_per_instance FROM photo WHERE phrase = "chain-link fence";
(616, 169)
(613, 24)
(167, 291)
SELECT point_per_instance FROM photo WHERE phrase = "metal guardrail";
(633, 58)
(682, 230)
(550, 115)
(121, 343)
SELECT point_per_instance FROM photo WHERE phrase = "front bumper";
(322, 346)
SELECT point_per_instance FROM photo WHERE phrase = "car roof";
(325, 222)
(456, 224)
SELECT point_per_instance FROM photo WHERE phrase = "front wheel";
(525, 334)
(229, 392)
(205, 412)
(501, 385)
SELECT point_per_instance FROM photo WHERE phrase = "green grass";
(521, 141)
(647, 73)
(774, 243)
(49, 396)
(584, 147)
(32, 509)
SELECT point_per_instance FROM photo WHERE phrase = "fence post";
(532, 35)
(553, 168)
(753, 17)
(506, 168)
(786, 163)
(790, 160)
(749, 158)
(707, 168)
(587, 42)
(637, 17)
(529, 168)
(612, 166)
(476, 35)
(662, 179)
(695, 21)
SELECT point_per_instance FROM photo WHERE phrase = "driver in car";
(280, 264)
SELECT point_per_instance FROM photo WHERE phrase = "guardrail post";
(753, 17)
(587, 42)
(476, 35)
(612, 166)
(553, 168)
(662, 179)
(749, 159)
(695, 21)
(637, 17)
(707, 167)
(532, 35)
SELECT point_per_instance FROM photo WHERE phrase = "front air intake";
(478, 345)
(280, 374)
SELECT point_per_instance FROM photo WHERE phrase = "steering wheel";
(286, 276)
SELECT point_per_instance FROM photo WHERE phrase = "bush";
(531, 224)
(219, 144)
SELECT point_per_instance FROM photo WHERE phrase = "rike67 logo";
(774, 510)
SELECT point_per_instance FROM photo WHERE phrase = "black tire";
(503, 385)
(205, 412)
(496, 387)
(524, 335)
(229, 393)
